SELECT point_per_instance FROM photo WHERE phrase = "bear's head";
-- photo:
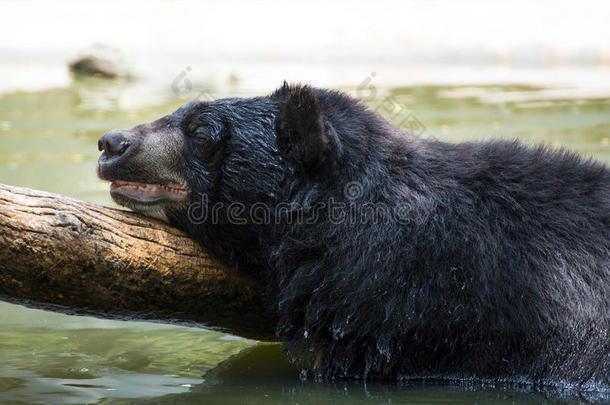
(204, 167)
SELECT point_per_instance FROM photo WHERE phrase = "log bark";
(72, 256)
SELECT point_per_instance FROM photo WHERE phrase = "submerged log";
(71, 256)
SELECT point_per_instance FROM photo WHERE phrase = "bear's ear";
(303, 136)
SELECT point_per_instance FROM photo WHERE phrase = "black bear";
(387, 255)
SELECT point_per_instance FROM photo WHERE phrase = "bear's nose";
(114, 143)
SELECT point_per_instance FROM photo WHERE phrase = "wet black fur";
(500, 270)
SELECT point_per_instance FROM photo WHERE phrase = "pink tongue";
(142, 191)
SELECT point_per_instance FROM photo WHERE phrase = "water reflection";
(261, 375)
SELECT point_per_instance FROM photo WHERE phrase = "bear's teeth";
(149, 192)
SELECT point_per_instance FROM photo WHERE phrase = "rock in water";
(101, 61)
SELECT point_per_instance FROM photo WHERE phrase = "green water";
(48, 141)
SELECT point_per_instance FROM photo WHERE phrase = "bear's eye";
(200, 133)
(204, 132)
(205, 142)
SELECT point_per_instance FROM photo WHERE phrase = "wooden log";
(72, 256)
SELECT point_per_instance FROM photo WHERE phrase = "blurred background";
(534, 70)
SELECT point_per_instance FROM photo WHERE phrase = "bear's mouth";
(126, 192)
